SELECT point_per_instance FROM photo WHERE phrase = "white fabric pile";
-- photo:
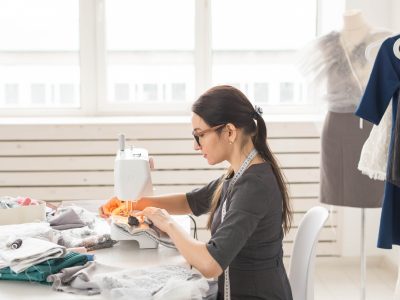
(31, 252)
(163, 282)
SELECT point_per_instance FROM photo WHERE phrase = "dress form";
(354, 30)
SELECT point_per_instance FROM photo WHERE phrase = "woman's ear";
(231, 132)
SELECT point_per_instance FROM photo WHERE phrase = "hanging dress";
(383, 89)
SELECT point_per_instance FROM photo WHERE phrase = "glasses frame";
(197, 134)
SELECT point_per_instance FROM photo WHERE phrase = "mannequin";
(346, 71)
(339, 69)
(355, 29)
(339, 61)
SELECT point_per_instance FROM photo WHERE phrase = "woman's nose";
(196, 146)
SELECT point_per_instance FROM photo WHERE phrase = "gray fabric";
(66, 220)
(161, 282)
(91, 239)
(325, 64)
(250, 238)
(340, 181)
(76, 280)
(79, 279)
(150, 231)
(393, 171)
(87, 217)
(8, 202)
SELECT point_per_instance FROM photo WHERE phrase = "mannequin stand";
(363, 261)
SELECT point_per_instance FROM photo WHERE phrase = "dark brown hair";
(226, 104)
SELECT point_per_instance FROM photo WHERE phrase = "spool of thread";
(90, 257)
(16, 244)
(77, 249)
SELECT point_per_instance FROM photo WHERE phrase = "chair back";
(301, 270)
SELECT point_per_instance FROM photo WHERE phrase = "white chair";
(301, 271)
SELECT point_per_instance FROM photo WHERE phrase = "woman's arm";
(175, 204)
(195, 252)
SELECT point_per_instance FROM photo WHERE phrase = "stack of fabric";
(30, 252)
(40, 271)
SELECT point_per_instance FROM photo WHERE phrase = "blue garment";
(383, 86)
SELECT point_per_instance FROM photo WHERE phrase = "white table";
(124, 255)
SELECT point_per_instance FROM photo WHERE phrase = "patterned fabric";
(374, 154)
(327, 67)
(164, 282)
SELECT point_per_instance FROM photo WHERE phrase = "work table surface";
(125, 255)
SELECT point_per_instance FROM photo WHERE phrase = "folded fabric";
(66, 220)
(149, 230)
(86, 217)
(76, 280)
(147, 283)
(174, 289)
(79, 280)
(84, 237)
(8, 202)
(21, 231)
(41, 271)
(31, 252)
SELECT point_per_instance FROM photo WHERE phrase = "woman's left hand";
(160, 217)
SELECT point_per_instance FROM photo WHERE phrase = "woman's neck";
(239, 156)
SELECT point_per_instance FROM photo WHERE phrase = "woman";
(249, 206)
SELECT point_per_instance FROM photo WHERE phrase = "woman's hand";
(160, 217)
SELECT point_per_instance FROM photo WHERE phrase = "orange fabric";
(114, 206)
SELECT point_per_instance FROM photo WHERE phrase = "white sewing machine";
(132, 180)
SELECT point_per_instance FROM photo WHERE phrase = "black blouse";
(249, 240)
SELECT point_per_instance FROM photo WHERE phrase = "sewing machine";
(132, 180)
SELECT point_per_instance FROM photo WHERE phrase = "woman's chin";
(210, 162)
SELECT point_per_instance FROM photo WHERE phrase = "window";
(254, 43)
(150, 47)
(39, 54)
(104, 57)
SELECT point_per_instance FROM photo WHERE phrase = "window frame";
(93, 67)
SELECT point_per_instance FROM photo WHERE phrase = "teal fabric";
(40, 271)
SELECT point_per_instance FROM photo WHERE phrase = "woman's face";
(213, 145)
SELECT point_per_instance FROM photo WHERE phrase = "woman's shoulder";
(262, 171)
(257, 185)
(258, 177)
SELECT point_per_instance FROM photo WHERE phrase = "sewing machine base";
(144, 241)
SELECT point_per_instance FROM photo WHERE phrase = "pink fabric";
(25, 201)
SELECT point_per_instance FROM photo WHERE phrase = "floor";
(339, 279)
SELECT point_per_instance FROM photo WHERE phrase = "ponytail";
(261, 145)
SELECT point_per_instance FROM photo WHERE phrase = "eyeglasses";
(199, 134)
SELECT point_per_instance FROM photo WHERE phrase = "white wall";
(377, 12)
(380, 13)
(395, 12)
